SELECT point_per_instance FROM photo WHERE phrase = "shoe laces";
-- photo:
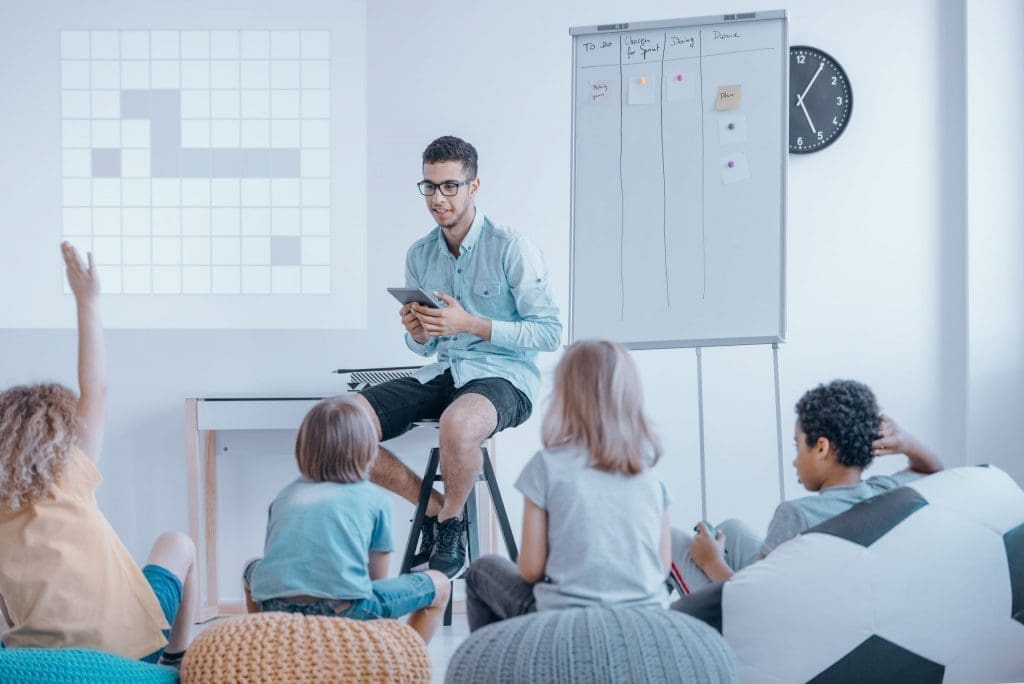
(449, 536)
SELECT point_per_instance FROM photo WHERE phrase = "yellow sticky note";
(728, 97)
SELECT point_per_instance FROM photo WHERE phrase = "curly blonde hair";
(38, 428)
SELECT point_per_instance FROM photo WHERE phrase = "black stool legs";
(469, 511)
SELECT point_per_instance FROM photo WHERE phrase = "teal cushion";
(77, 666)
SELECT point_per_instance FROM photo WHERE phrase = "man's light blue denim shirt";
(498, 275)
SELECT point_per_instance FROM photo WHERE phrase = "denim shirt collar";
(469, 242)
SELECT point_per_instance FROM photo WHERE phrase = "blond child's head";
(38, 428)
(336, 443)
(598, 404)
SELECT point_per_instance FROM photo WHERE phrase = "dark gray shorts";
(400, 403)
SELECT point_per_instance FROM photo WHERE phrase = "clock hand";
(821, 65)
(807, 114)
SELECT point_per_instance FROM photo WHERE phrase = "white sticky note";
(732, 129)
(734, 168)
(642, 91)
(680, 86)
(600, 92)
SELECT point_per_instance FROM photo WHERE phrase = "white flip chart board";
(679, 181)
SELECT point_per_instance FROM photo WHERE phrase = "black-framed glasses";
(449, 188)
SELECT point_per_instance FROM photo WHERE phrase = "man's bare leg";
(391, 474)
(465, 424)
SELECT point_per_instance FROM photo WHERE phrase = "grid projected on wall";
(197, 162)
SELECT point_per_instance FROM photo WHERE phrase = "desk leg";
(210, 514)
(200, 455)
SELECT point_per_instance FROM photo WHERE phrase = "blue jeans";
(390, 598)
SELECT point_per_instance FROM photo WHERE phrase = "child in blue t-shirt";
(329, 534)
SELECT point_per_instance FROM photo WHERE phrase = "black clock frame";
(849, 98)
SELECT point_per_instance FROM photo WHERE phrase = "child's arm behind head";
(893, 439)
(92, 366)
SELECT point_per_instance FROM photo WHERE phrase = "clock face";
(820, 99)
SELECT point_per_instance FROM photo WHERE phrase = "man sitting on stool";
(499, 313)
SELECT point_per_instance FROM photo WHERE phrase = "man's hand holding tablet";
(412, 297)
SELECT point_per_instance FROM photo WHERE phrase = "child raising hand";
(66, 580)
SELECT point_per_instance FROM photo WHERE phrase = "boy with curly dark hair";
(839, 430)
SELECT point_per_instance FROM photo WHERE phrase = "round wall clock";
(820, 99)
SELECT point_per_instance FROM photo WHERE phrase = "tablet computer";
(409, 295)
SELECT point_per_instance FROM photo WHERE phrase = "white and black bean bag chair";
(922, 584)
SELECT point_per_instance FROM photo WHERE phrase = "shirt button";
(459, 270)
(458, 298)
(485, 292)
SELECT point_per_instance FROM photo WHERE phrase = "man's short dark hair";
(449, 148)
(846, 414)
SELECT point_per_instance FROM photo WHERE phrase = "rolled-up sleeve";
(539, 327)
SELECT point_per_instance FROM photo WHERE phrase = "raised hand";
(82, 277)
(92, 360)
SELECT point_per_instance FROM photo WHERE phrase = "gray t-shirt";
(793, 517)
(604, 531)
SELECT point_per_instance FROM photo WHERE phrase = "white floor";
(441, 647)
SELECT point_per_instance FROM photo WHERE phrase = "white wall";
(873, 232)
(996, 240)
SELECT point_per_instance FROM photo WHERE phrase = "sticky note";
(680, 86)
(734, 168)
(732, 129)
(728, 97)
(642, 91)
(600, 92)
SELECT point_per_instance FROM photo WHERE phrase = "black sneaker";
(449, 553)
(420, 559)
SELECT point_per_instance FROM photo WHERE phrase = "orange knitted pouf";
(287, 647)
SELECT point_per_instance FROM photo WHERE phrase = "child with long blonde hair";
(66, 580)
(595, 518)
(329, 533)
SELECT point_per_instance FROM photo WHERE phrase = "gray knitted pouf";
(611, 645)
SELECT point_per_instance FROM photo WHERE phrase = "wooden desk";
(204, 418)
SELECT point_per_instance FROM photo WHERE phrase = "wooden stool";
(430, 476)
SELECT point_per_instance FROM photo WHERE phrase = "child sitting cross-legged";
(595, 517)
(329, 533)
(66, 580)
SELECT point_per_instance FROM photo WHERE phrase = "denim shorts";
(167, 587)
(391, 598)
(400, 403)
